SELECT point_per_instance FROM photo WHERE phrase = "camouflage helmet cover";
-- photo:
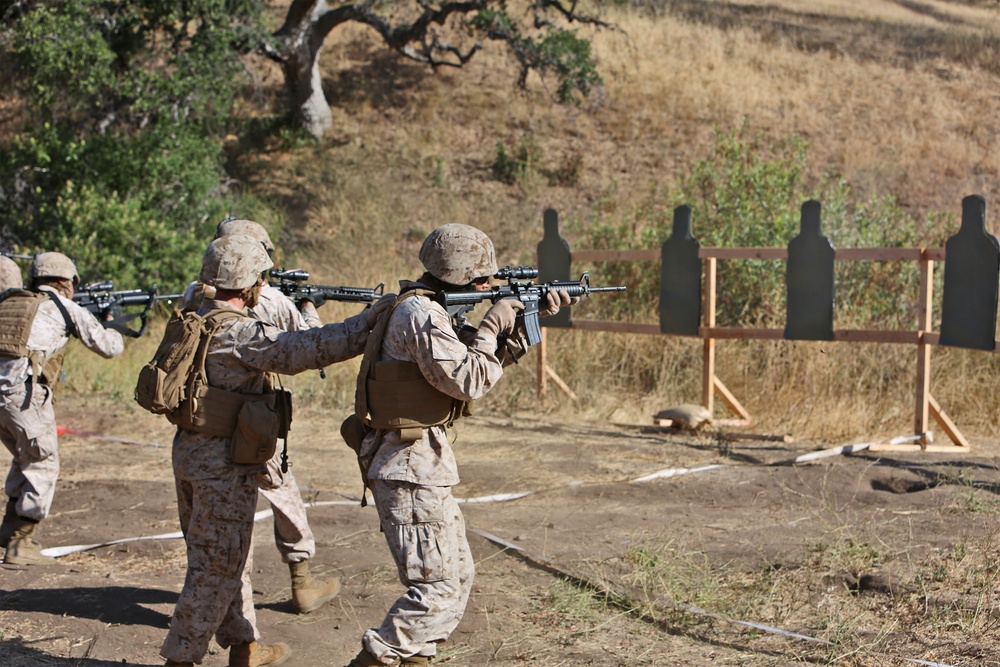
(10, 274)
(53, 265)
(234, 262)
(458, 254)
(231, 226)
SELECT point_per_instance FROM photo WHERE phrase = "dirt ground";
(585, 521)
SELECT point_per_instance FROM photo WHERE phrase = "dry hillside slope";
(898, 97)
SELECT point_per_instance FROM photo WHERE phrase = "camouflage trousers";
(216, 517)
(425, 531)
(28, 431)
(292, 534)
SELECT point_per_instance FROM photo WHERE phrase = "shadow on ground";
(113, 604)
(17, 653)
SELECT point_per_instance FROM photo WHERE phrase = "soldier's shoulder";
(416, 304)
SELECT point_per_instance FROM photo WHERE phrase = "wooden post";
(542, 365)
(924, 319)
(708, 347)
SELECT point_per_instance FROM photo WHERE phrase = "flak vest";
(394, 395)
(18, 308)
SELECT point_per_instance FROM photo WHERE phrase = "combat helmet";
(231, 226)
(52, 265)
(458, 254)
(10, 274)
(234, 262)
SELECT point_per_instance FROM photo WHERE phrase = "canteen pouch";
(255, 439)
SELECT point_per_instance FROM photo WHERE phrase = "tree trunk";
(302, 38)
(306, 100)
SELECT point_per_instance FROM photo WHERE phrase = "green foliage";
(515, 168)
(748, 193)
(65, 63)
(555, 51)
(150, 251)
(569, 58)
(872, 293)
(523, 165)
(113, 66)
(121, 166)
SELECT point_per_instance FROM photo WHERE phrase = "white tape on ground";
(56, 552)
(498, 498)
(851, 449)
(673, 472)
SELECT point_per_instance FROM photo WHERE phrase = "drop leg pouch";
(258, 426)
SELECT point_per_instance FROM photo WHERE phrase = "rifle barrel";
(134, 298)
(612, 288)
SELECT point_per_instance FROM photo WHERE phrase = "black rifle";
(102, 300)
(292, 283)
(519, 286)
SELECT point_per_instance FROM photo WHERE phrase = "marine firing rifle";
(102, 300)
(521, 287)
(292, 283)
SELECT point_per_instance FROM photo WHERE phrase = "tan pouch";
(256, 436)
(353, 430)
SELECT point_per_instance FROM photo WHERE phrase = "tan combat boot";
(7, 528)
(309, 594)
(21, 550)
(256, 654)
(364, 659)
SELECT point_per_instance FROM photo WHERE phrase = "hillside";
(898, 98)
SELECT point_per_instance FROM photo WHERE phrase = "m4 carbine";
(102, 300)
(520, 286)
(292, 283)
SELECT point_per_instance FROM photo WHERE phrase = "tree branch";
(568, 12)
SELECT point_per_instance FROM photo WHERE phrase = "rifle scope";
(517, 273)
(106, 286)
(298, 275)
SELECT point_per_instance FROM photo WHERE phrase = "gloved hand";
(554, 300)
(379, 307)
(500, 318)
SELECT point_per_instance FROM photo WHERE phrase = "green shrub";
(748, 192)
(121, 164)
(516, 168)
